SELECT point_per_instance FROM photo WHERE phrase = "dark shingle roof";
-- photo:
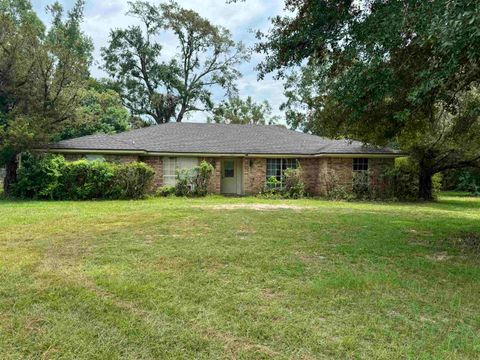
(218, 139)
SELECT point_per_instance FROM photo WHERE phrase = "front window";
(229, 169)
(172, 164)
(93, 157)
(276, 168)
(360, 164)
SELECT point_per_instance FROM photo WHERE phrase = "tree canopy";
(168, 89)
(41, 74)
(403, 72)
(235, 110)
(100, 110)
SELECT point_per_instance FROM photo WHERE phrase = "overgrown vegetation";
(462, 180)
(402, 181)
(291, 186)
(51, 177)
(397, 183)
(42, 72)
(194, 182)
(383, 72)
(334, 189)
(165, 190)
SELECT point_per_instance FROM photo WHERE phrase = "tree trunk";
(11, 174)
(181, 113)
(425, 184)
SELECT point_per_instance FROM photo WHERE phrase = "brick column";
(310, 174)
(254, 175)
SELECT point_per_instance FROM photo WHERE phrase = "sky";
(240, 18)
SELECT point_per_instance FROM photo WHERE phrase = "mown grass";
(239, 278)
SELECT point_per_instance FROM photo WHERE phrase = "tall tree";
(238, 111)
(100, 110)
(169, 89)
(384, 71)
(41, 73)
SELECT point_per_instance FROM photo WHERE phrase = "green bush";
(361, 188)
(193, 182)
(132, 180)
(201, 178)
(467, 179)
(51, 177)
(183, 182)
(166, 190)
(272, 188)
(83, 180)
(293, 186)
(39, 177)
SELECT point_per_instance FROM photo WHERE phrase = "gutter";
(190, 154)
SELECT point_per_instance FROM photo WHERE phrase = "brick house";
(243, 156)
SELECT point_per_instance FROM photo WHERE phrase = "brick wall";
(156, 163)
(315, 172)
(254, 175)
(72, 157)
(121, 158)
(215, 180)
(310, 174)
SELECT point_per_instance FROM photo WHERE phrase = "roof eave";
(218, 154)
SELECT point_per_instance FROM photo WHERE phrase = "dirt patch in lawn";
(441, 256)
(258, 207)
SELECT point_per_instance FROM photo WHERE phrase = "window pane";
(186, 163)
(169, 166)
(228, 168)
(94, 158)
(360, 164)
(276, 167)
(172, 164)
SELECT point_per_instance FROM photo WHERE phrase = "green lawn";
(240, 278)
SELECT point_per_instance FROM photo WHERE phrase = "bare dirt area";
(259, 207)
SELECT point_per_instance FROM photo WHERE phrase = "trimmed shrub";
(132, 180)
(51, 177)
(83, 180)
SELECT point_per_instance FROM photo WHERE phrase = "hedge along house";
(243, 156)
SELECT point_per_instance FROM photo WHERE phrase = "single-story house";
(243, 156)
